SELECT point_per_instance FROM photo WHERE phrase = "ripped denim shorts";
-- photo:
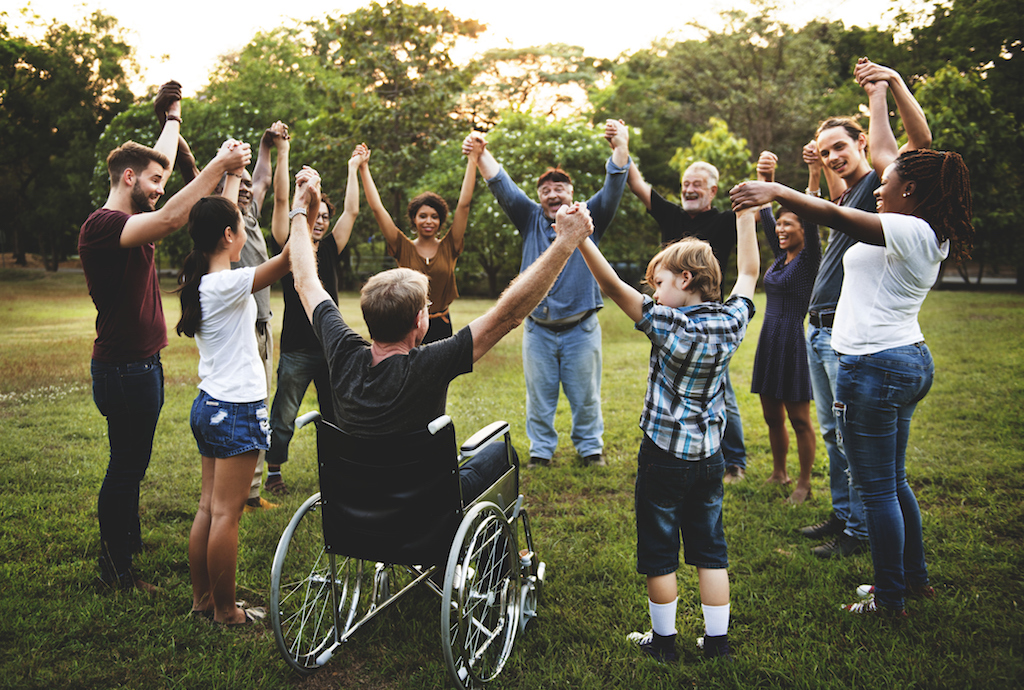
(224, 429)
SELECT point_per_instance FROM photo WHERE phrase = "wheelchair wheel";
(314, 596)
(481, 597)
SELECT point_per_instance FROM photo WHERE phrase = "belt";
(562, 326)
(822, 320)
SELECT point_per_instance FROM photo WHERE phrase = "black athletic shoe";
(831, 527)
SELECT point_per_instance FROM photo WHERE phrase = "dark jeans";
(129, 395)
(483, 469)
(295, 370)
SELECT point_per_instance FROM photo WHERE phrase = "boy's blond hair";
(695, 256)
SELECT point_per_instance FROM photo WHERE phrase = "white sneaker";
(865, 591)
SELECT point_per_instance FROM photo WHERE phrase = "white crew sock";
(716, 620)
(663, 617)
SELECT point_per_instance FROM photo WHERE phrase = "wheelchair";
(388, 517)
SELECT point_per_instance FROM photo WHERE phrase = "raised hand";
(574, 222)
(276, 132)
(360, 156)
(617, 133)
(168, 100)
(751, 195)
(474, 143)
(234, 155)
(766, 164)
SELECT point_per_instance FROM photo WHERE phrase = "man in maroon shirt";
(116, 244)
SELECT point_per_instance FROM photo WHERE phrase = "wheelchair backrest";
(393, 499)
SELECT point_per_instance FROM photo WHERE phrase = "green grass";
(965, 460)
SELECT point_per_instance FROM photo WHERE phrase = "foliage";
(963, 118)
(57, 93)
(549, 80)
(721, 148)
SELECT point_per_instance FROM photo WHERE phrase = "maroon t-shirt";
(123, 284)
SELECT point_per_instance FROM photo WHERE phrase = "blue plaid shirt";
(684, 409)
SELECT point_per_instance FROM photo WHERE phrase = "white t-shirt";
(230, 367)
(883, 287)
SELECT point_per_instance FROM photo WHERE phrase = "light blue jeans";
(571, 358)
(876, 396)
(824, 365)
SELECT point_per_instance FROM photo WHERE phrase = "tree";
(550, 80)
(58, 94)
(963, 118)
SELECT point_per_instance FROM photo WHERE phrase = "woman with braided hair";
(885, 368)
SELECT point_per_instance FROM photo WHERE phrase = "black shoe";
(661, 648)
(538, 462)
(831, 527)
(842, 546)
(595, 460)
(716, 647)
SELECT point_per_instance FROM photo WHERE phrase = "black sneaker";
(538, 462)
(661, 648)
(831, 527)
(842, 546)
(715, 647)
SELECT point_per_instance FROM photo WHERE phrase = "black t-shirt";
(715, 227)
(399, 395)
(296, 332)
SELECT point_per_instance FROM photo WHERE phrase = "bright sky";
(181, 39)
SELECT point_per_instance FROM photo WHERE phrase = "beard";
(141, 202)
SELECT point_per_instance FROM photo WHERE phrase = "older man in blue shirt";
(562, 338)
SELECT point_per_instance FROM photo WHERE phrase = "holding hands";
(766, 163)
(360, 157)
(234, 155)
(617, 133)
(474, 144)
(574, 223)
(276, 133)
(168, 102)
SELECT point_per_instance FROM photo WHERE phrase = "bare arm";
(461, 216)
(143, 228)
(273, 269)
(282, 183)
(262, 174)
(167, 105)
(860, 225)
(638, 185)
(629, 299)
(919, 135)
(524, 293)
(748, 256)
(342, 231)
(487, 164)
(617, 134)
(303, 260)
(881, 139)
(380, 214)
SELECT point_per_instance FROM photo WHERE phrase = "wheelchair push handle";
(307, 418)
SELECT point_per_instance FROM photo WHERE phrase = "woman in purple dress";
(781, 375)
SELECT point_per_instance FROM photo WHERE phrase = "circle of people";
(893, 218)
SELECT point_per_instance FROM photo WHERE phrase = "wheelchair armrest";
(307, 418)
(474, 443)
(438, 424)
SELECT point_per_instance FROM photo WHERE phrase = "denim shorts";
(224, 429)
(678, 497)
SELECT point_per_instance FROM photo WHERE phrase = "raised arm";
(617, 134)
(524, 293)
(303, 260)
(629, 299)
(881, 140)
(282, 183)
(486, 162)
(384, 220)
(461, 216)
(638, 185)
(604, 204)
(861, 225)
(262, 174)
(143, 228)
(167, 105)
(342, 231)
(748, 257)
(919, 135)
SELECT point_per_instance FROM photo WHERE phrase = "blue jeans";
(876, 396)
(225, 429)
(129, 395)
(483, 469)
(295, 370)
(824, 365)
(678, 497)
(733, 448)
(572, 358)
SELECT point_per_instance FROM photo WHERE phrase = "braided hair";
(944, 183)
(206, 223)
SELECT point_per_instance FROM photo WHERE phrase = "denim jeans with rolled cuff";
(876, 396)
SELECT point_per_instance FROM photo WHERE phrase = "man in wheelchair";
(393, 384)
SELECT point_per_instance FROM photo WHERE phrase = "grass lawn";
(58, 629)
